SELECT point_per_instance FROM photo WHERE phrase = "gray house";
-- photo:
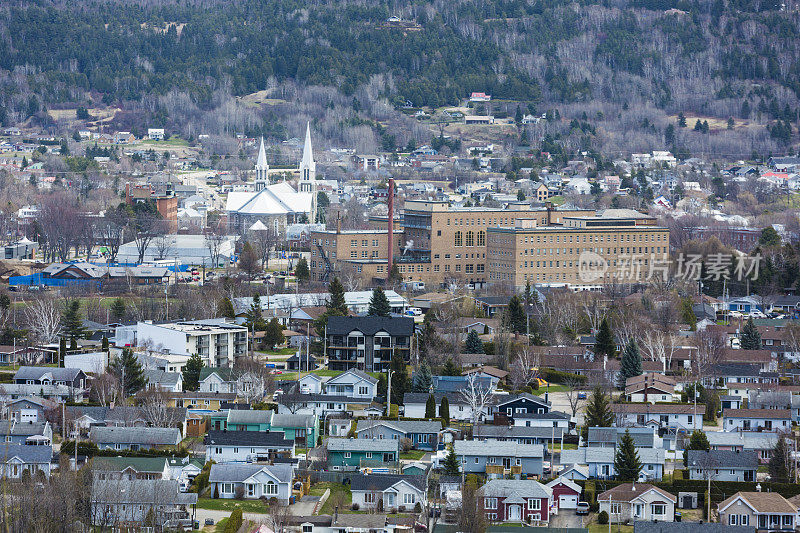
(643, 437)
(423, 434)
(397, 491)
(476, 456)
(16, 458)
(33, 433)
(722, 465)
(46, 375)
(252, 481)
(601, 462)
(132, 501)
(518, 434)
(136, 438)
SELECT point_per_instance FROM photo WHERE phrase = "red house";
(517, 500)
(566, 493)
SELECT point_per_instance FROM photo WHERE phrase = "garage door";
(566, 501)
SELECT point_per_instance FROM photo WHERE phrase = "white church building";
(279, 205)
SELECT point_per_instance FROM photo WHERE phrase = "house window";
(408, 499)
(615, 508)
(490, 503)
(307, 528)
(363, 391)
(744, 520)
(227, 488)
(271, 488)
(658, 509)
(368, 455)
(534, 504)
(347, 455)
(732, 520)
(369, 497)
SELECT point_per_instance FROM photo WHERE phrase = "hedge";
(90, 449)
(234, 522)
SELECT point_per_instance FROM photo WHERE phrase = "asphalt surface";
(566, 518)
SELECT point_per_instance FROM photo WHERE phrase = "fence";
(39, 280)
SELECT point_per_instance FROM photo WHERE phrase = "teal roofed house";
(349, 454)
(302, 429)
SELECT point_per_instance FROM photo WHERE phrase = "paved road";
(301, 508)
(566, 518)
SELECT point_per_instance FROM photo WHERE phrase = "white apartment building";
(217, 341)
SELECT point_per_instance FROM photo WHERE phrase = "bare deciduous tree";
(153, 403)
(43, 316)
(476, 396)
(573, 395)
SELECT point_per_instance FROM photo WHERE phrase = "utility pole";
(389, 394)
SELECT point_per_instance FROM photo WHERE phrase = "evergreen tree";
(273, 334)
(336, 304)
(450, 368)
(451, 465)
(598, 411)
(604, 342)
(631, 365)
(698, 441)
(301, 271)
(687, 313)
(626, 463)
(191, 373)
(444, 411)
(72, 320)
(428, 339)
(681, 120)
(400, 381)
(254, 320)
(780, 465)
(430, 407)
(750, 338)
(669, 134)
(473, 343)
(104, 344)
(226, 308)
(379, 304)
(516, 315)
(128, 370)
(423, 379)
(118, 310)
(62, 351)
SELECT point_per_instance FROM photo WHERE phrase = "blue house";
(423, 434)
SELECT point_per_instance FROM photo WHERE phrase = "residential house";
(566, 493)
(54, 393)
(553, 419)
(573, 472)
(495, 375)
(415, 403)
(302, 429)
(134, 438)
(29, 409)
(760, 442)
(600, 462)
(396, 491)
(688, 527)
(208, 401)
(367, 342)
(667, 415)
(631, 502)
(17, 458)
(31, 433)
(350, 454)
(352, 383)
(248, 420)
(252, 481)
(517, 500)
(87, 416)
(643, 437)
(722, 465)
(776, 420)
(518, 434)
(454, 384)
(46, 375)
(496, 458)
(130, 468)
(651, 388)
(227, 380)
(165, 381)
(320, 405)
(766, 511)
(246, 446)
(519, 405)
(158, 500)
(422, 434)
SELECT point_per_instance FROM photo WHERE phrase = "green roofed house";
(302, 429)
(350, 454)
(248, 420)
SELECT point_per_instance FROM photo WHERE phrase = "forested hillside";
(628, 66)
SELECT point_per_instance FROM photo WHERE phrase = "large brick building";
(480, 245)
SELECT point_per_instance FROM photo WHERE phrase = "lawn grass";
(339, 493)
(280, 351)
(220, 526)
(247, 506)
(594, 527)
(412, 455)
(551, 388)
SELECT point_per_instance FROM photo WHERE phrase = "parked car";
(414, 311)
(581, 395)
(210, 521)
(583, 508)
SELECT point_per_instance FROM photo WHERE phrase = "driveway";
(566, 518)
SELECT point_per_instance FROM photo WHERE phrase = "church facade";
(278, 205)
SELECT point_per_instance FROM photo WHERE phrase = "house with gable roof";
(630, 502)
(766, 511)
(517, 500)
(252, 481)
(353, 383)
(396, 491)
(423, 434)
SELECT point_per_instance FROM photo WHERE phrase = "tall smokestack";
(390, 234)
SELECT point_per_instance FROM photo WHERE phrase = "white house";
(245, 446)
(637, 501)
(397, 491)
(252, 481)
(353, 383)
(775, 420)
(667, 415)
